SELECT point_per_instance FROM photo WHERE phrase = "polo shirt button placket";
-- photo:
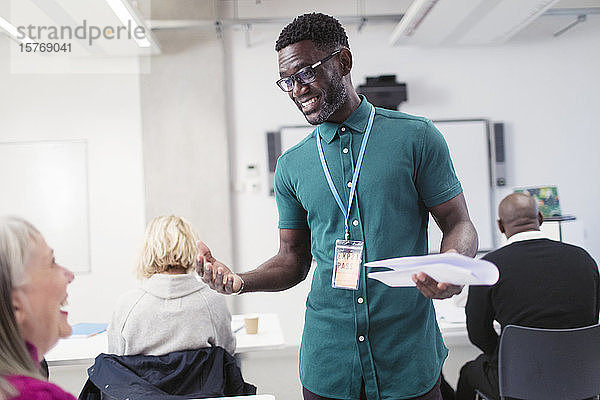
(361, 338)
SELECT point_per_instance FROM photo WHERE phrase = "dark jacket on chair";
(207, 372)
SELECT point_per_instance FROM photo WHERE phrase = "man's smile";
(309, 102)
(308, 106)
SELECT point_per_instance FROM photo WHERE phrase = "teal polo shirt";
(386, 336)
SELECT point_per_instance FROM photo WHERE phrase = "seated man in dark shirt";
(543, 284)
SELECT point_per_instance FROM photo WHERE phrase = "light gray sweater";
(170, 313)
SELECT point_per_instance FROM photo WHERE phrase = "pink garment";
(35, 389)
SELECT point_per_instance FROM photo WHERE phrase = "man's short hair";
(323, 30)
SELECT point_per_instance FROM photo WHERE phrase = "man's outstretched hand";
(214, 273)
(434, 289)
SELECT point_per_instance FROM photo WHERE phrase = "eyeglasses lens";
(286, 84)
(305, 75)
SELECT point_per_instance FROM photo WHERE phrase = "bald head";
(518, 212)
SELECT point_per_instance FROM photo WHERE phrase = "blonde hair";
(16, 238)
(169, 242)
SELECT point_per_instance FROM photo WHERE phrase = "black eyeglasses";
(304, 76)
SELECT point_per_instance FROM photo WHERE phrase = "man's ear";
(540, 218)
(500, 226)
(346, 61)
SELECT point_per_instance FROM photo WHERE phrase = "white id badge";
(347, 264)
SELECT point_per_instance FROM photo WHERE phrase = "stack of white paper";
(446, 267)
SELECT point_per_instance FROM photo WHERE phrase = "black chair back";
(549, 364)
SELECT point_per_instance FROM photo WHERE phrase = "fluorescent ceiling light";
(413, 17)
(466, 22)
(126, 15)
(13, 32)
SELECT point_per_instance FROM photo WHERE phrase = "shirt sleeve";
(291, 213)
(480, 319)
(435, 179)
(597, 280)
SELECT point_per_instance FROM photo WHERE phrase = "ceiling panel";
(206, 12)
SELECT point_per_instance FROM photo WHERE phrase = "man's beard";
(333, 99)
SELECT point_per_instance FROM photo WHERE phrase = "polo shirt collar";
(526, 235)
(357, 121)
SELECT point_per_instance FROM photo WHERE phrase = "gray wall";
(186, 160)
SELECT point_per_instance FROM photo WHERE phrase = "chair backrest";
(179, 375)
(549, 364)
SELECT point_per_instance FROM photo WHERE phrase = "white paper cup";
(251, 324)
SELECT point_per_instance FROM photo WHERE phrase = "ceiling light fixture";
(14, 33)
(127, 15)
(466, 22)
(415, 14)
(580, 18)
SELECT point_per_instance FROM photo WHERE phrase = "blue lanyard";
(361, 155)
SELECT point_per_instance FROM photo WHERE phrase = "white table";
(452, 322)
(83, 351)
(268, 337)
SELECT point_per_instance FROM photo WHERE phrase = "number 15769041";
(45, 47)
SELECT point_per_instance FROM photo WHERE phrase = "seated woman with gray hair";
(172, 310)
(33, 288)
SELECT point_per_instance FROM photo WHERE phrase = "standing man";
(543, 284)
(359, 188)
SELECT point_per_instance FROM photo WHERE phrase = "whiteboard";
(46, 183)
(468, 142)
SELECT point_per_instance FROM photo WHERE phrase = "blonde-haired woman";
(172, 310)
(33, 288)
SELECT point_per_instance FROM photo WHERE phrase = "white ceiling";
(198, 9)
(287, 9)
(203, 14)
(165, 13)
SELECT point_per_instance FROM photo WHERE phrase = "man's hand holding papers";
(434, 289)
(437, 276)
